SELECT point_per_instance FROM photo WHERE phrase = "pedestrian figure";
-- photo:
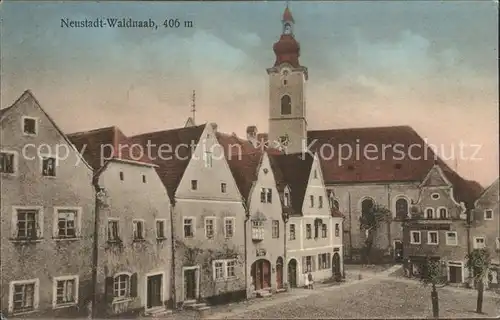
(306, 281)
(310, 280)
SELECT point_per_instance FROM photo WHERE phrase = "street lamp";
(286, 216)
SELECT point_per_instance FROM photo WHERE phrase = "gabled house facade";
(47, 216)
(134, 225)
(485, 229)
(314, 229)
(265, 229)
(437, 228)
(208, 213)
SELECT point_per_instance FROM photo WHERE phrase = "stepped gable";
(171, 168)
(101, 145)
(402, 155)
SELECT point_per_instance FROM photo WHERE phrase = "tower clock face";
(287, 29)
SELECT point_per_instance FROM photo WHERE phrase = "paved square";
(378, 298)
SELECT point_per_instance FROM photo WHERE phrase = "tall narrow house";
(134, 225)
(47, 216)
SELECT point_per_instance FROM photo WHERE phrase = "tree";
(433, 275)
(369, 222)
(478, 263)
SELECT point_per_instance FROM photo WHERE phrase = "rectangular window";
(7, 164)
(160, 229)
(308, 231)
(30, 126)
(286, 199)
(188, 228)
(230, 268)
(451, 238)
(324, 231)
(228, 227)
(257, 230)
(292, 231)
(143, 178)
(194, 184)
(276, 229)
(337, 230)
(208, 160)
(479, 243)
(323, 261)
(122, 286)
(311, 198)
(122, 176)
(223, 187)
(113, 230)
(224, 269)
(309, 264)
(488, 214)
(23, 296)
(48, 166)
(138, 226)
(263, 195)
(415, 237)
(209, 228)
(320, 202)
(66, 223)
(432, 237)
(218, 270)
(28, 224)
(66, 291)
(269, 195)
(315, 174)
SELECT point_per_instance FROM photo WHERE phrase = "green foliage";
(479, 262)
(433, 273)
(371, 220)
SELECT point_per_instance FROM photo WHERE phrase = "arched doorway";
(279, 273)
(292, 273)
(336, 270)
(261, 274)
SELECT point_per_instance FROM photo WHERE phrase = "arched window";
(429, 212)
(443, 213)
(337, 230)
(366, 206)
(286, 104)
(401, 208)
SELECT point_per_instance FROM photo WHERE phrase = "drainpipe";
(247, 217)
(350, 227)
(99, 192)
(173, 265)
(285, 261)
(468, 226)
(389, 221)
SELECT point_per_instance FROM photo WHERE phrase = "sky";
(432, 65)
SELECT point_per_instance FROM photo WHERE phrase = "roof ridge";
(96, 130)
(169, 130)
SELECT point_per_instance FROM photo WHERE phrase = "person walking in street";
(306, 281)
(310, 280)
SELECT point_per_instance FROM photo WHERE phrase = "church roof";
(402, 155)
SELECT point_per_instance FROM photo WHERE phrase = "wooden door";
(154, 291)
(292, 273)
(190, 284)
(266, 274)
(258, 275)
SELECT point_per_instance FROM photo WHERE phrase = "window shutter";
(109, 290)
(304, 265)
(133, 285)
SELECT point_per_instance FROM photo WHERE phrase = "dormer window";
(286, 199)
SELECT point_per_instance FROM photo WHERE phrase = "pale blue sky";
(432, 65)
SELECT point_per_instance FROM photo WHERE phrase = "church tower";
(287, 101)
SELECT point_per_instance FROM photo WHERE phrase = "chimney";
(251, 133)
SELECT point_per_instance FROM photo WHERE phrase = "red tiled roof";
(100, 145)
(399, 161)
(293, 170)
(173, 160)
(244, 170)
(287, 15)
